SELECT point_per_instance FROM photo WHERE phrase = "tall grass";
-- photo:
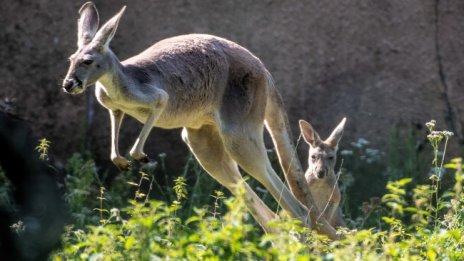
(193, 218)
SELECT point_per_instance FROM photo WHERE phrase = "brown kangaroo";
(217, 91)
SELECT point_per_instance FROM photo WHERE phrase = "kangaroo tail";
(276, 122)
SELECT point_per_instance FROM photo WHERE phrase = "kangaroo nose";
(68, 84)
(321, 173)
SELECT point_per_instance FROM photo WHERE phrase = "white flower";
(346, 152)
(360, 143)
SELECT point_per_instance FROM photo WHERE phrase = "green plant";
(454, 218)
(186, 227)
(435, 138)
(395, 200)
(82, 185)
(180, 188)
(100, 209)
(218, 197)
(403, 158)
(42, 148)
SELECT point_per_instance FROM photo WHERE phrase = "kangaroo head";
(90, 61)
(322, 153)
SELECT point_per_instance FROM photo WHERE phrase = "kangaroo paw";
(122, 163)
(142, 157)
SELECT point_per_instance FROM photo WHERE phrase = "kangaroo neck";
(114, 80)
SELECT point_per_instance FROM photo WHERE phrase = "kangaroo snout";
(67, 85)
(72, 86)
(321, 173)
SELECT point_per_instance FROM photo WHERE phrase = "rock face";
(382, 64)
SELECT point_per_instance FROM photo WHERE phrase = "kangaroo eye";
(313, 157)
(87, 62)
(331, 157)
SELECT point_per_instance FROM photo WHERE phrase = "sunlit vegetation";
(418, 216)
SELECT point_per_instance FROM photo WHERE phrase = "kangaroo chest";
(323, 193)
(119, 101)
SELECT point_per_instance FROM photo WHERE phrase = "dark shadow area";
(31, 224)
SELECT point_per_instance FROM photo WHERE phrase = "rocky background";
(382, 64)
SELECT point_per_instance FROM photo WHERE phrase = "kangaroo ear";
(336, 135)
(107, 31)
(87, 24)
(309, 134)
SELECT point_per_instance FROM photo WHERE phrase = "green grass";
(133, 216)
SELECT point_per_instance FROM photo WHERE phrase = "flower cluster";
(370, 155)
(436, 137)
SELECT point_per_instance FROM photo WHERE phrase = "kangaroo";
(320, 175)
(219, 93)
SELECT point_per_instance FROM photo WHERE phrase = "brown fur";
(216, 90)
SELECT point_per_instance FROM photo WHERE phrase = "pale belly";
(169, 118)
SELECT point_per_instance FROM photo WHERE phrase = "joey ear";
(309, 134)
(107, 31)
(336, 135)
(87, 24)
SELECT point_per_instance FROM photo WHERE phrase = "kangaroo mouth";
(73, 86)
(312, 177)
(77, 90)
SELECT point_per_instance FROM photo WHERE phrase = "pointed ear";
(107, 31)
(336, 135)
(309, 134)
(87, 24)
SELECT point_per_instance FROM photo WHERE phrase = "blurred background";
(382, 64)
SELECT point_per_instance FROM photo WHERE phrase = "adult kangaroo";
(217, 91)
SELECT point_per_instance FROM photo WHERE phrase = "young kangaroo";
(320, 174)
(217, 91)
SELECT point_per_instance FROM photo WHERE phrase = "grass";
(193, 218)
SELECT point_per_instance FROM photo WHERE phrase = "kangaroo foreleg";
(154, 107)
(116, 117)
(137, 149)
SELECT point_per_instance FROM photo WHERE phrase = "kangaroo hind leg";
(244, 143)
(206, 144)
